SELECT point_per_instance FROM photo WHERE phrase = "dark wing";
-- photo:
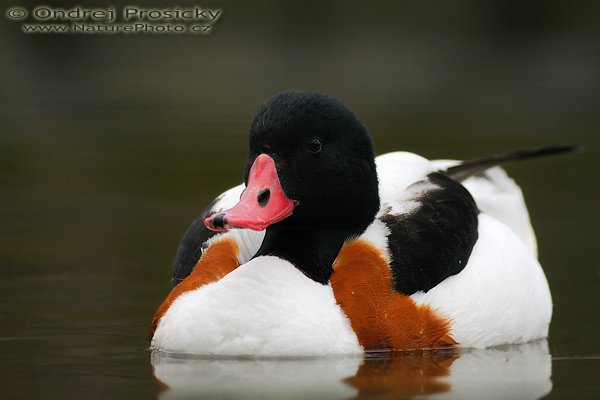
(434, 240)
(190, 246)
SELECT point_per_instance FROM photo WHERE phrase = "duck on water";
(327, 249)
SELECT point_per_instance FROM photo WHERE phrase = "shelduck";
(326, 249)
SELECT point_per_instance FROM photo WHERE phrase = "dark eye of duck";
(314, 146)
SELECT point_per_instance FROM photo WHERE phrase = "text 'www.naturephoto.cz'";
(129, 19)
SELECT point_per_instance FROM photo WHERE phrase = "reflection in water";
(255, 378)
(400, 377)
(510, 372)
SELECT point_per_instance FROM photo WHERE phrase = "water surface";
(503, 373)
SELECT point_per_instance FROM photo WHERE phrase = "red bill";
(263, 202)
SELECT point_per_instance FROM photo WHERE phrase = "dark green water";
(110, 146)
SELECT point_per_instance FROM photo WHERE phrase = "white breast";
(266, 307)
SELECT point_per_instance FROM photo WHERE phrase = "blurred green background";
(111, 144)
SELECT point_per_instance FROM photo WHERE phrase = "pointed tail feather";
(469, 168)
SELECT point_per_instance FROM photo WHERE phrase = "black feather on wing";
(434, 241)
(190, 247)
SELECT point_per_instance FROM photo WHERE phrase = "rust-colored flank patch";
(381, 317)
(217, 261)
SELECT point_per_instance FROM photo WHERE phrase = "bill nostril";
(263, 197)
(218, 221)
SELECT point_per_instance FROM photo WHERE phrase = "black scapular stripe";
(435, 241)
(190, 247)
